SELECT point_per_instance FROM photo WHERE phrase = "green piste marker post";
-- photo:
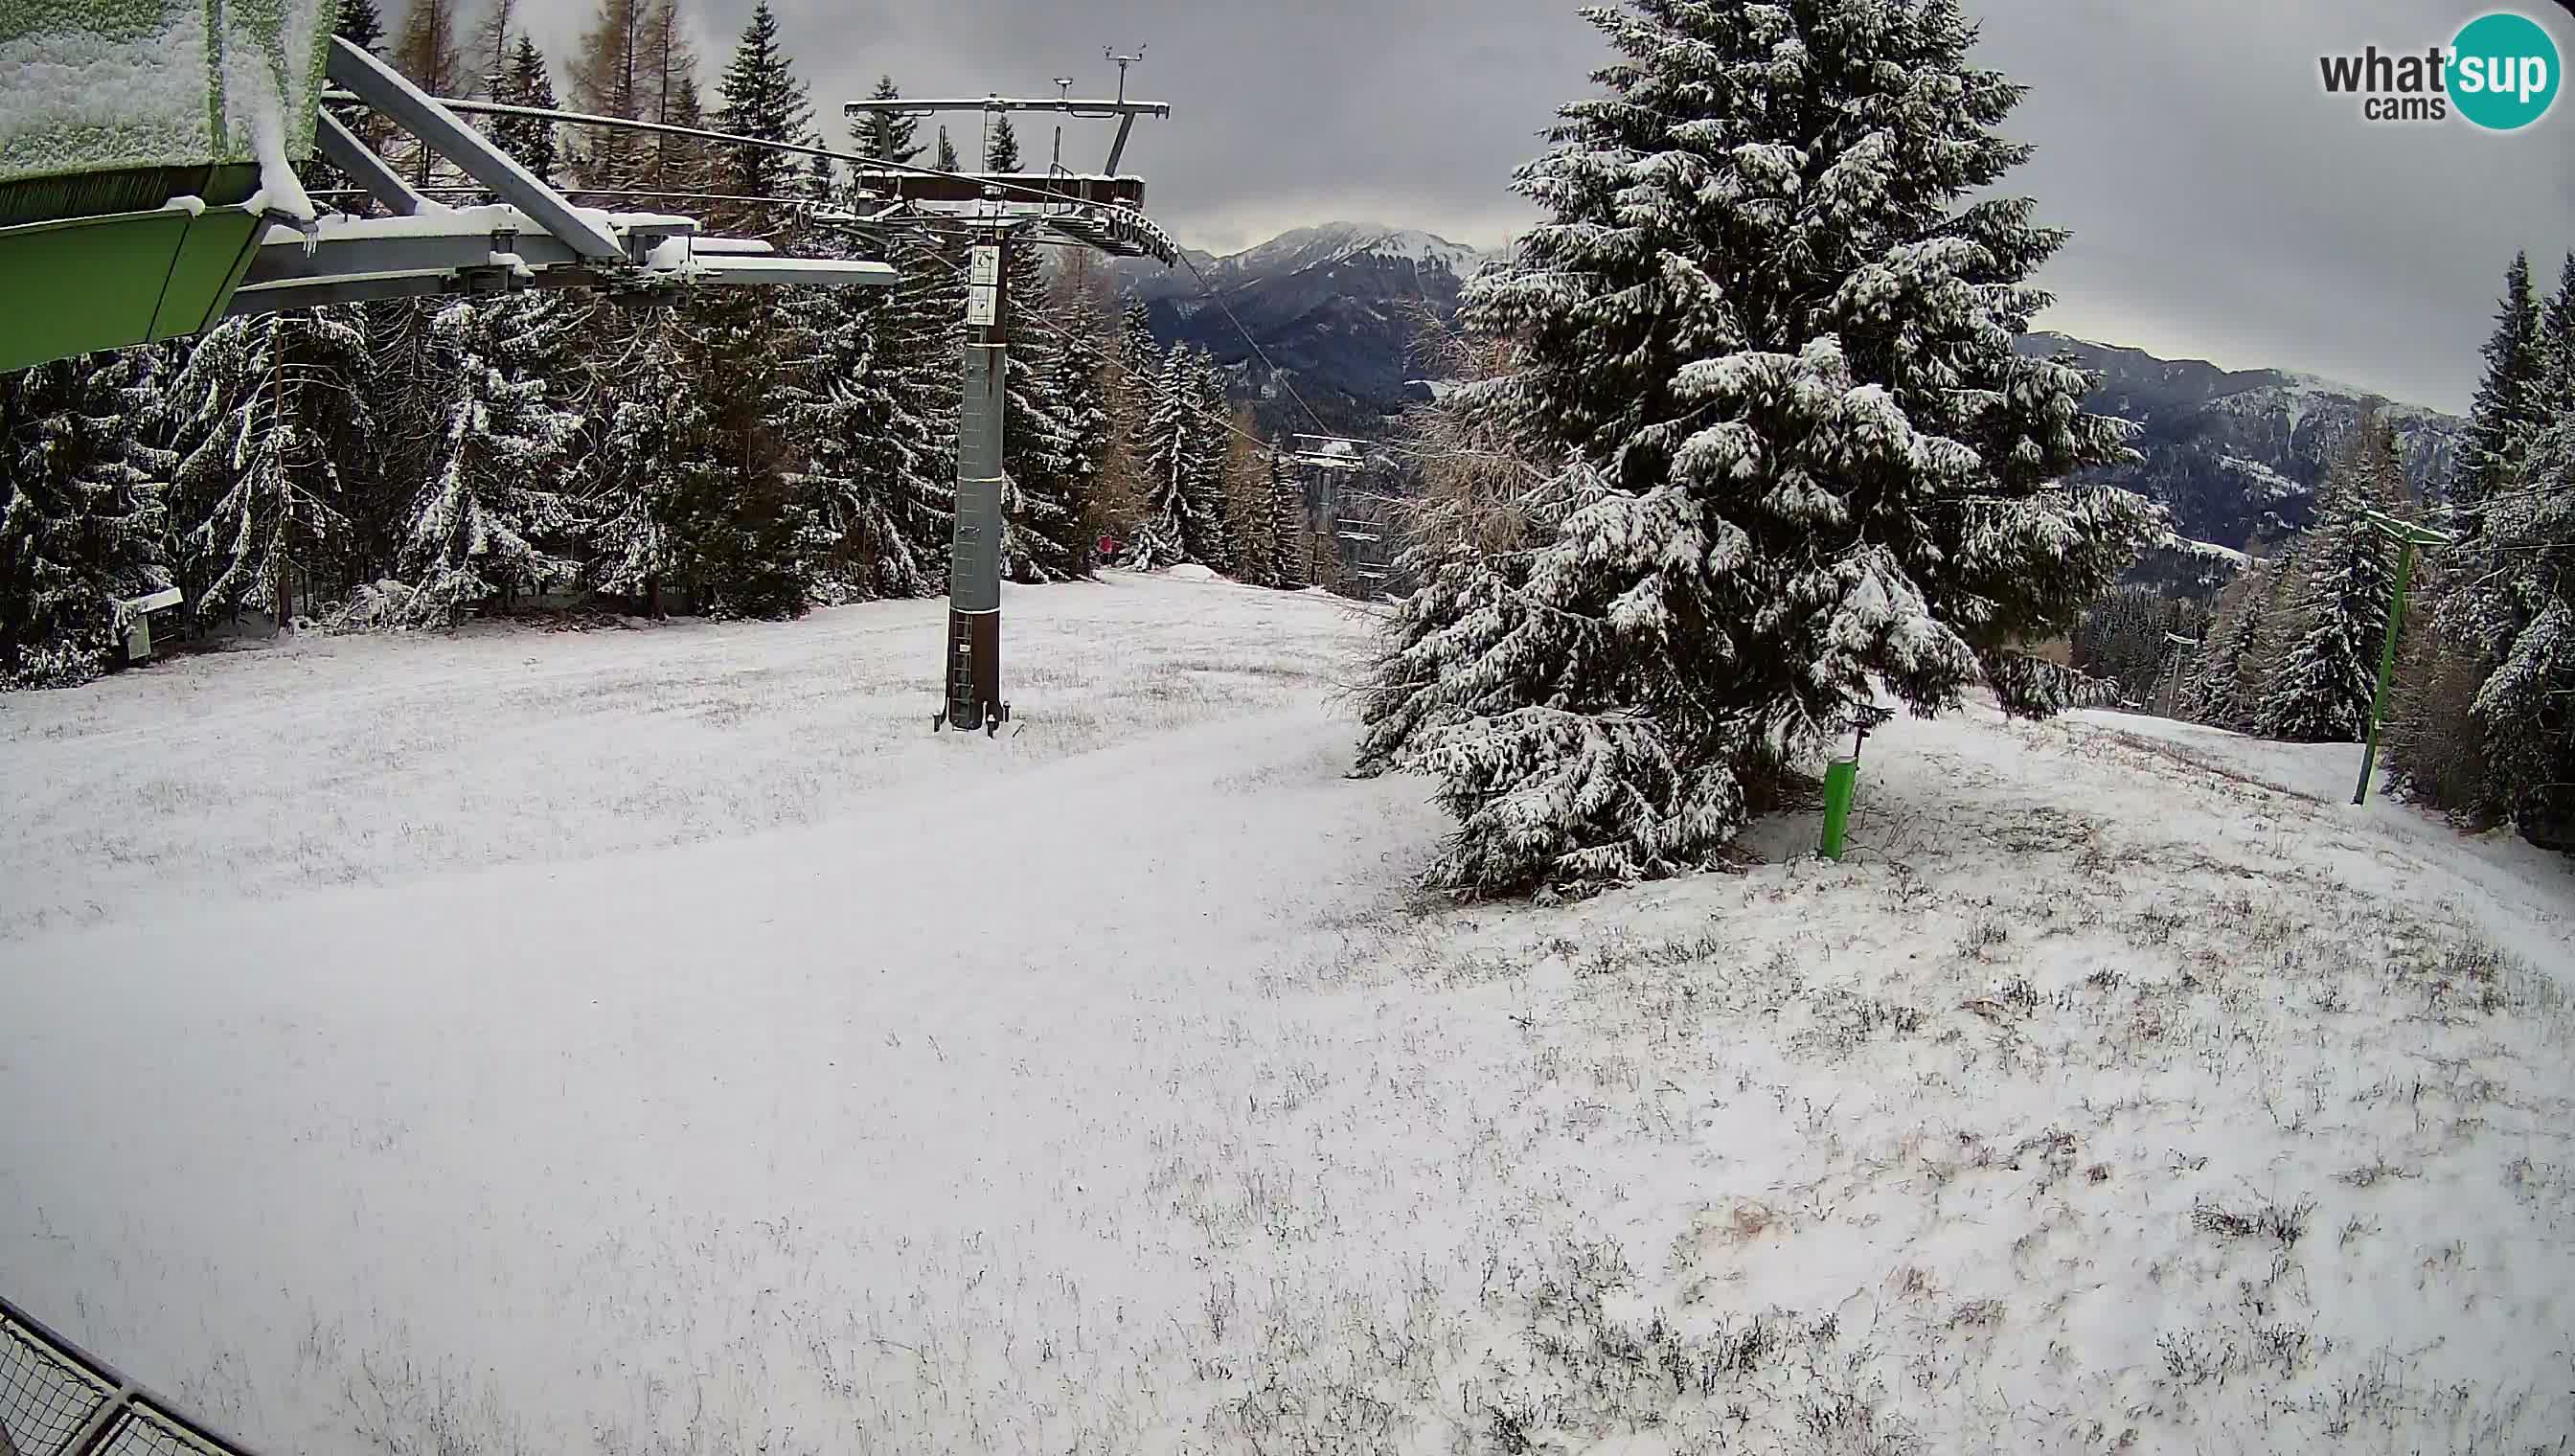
(1842, 780)
(1841, 786)
(2407, 536)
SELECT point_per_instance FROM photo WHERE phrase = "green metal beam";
(82, 284)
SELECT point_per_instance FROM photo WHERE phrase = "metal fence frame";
(57, 1399)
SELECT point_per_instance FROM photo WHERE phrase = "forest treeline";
(747, 451)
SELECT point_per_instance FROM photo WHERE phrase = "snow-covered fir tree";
(654, 453)
(920, 331)
(1288, 524)
(836, 399)
(1081, 389)
(762, 97)
(531, 140)
(1766, 327)
(405, 395)
(1002, 146)
(2520, 565)
(2344, 581)
(1170, 448)
(744, 522)
(2216, 676)
(1040, 452)
(947, 155)
(2505, 413)
(82, 524)
(489, 520)
(268, 415)
(1206, 529)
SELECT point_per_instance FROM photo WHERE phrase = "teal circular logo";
(2503, 72)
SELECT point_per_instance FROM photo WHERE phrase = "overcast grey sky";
(2222, 206)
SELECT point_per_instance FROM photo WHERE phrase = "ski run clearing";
(657, 1041)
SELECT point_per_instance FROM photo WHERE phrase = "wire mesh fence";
(46, 1401)
(58, 1400)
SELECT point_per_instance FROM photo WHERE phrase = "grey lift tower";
(1102, 211)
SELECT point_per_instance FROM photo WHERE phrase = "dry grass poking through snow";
(2082, 1121)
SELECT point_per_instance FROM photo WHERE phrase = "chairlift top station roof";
(148, 187)
(140, 140)
(121, 105)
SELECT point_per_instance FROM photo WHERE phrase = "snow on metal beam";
(495, 247)
(368, 170)
(1070, 106)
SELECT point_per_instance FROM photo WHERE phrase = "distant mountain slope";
(2236, 453)
(1337, 308)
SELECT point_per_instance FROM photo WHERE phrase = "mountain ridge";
(1338, 309)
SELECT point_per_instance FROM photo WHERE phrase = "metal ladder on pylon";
(962, 703)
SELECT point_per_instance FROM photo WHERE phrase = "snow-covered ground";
(657, 1041)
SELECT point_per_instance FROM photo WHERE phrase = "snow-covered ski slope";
(658, 1042)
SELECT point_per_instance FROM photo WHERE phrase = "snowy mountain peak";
(1331, 243)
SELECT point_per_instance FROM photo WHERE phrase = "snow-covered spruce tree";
(919, 333)
(530, 139)
(489, 520)
(2506, 413)
(1770, 343)
(1169, 450)
(836, 401)
(266, 414)
(1291, 537)
(2212, 691)
(655, 451)
(739, 521)
(81, 516)
(404, 394)
(2344, 579)
(1082, 394)
(2521, 565)
(1002, 146)
(1044, 514)
(1207, 534)
(763, 97)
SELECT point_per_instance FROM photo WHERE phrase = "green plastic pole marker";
(1842, 780)
(2386, 669)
